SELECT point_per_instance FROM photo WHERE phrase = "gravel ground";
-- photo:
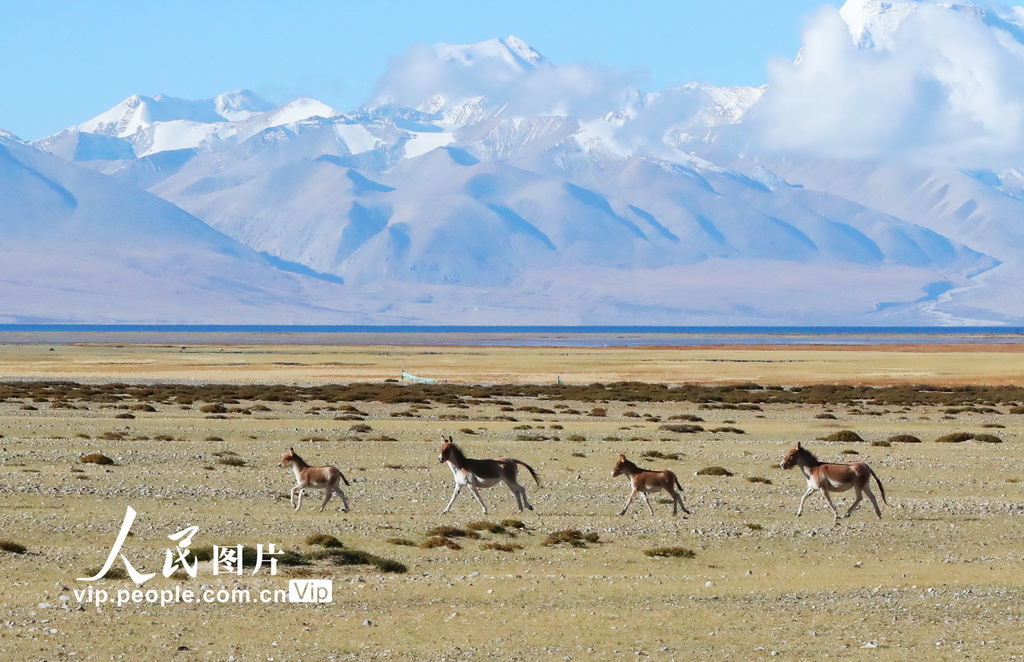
(940, 577)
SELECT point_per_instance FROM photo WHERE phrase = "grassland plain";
(940, 577)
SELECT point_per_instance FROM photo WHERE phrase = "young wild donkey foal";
(307, 477)
(645, 481)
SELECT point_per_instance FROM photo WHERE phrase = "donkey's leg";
(809, 492)
(514, 487)
(629, 500)
(522, 493)
(831, 505)
(300, 492)
(328, 493)
(458, 488)
(342, 495)
(860, 497)
(677, 499)
(291, 496)
(476, 493)
(647, 501)
(874, 501)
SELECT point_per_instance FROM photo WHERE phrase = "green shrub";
(324, 540)
(903, 439)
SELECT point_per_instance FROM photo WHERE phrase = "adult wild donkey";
(483, 473)
(307, 477)
(833, 477)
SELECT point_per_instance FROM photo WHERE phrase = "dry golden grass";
(940, 577)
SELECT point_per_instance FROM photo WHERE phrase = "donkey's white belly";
(466, 478)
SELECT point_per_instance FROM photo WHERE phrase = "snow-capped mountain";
(486, 173)
(79, 246)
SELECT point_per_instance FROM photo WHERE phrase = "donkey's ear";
(292, 450)
(798, 446)
(622, 458)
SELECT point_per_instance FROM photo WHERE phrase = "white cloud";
(424, 73)
(946, 86)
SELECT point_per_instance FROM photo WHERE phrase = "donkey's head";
(448, 450)
(289, 458)
(793, 457)
(620, 466)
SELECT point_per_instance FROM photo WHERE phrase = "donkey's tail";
(676, 479)
(345, 480)
(532, 472)
(880, 488)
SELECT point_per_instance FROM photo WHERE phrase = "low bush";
(439, 541)
(324, 540)
(681, 428)
(451, 532)
(14, 548)
(490, 527)
(955, 438)
(714, 471)
(903, 439)
(96, 458)
(571, 537)
(671, 552)
(843, 435)
(501, 546)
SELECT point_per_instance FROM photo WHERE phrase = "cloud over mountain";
(912, 81)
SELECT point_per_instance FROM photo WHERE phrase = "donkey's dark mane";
(298, 460)
(457, 453)
(810, 455)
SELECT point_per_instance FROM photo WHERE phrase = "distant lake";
(522, 336)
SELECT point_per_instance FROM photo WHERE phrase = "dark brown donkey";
(645, 481)
(483, 473)
(833, 477)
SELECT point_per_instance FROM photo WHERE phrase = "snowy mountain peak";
(240, 105)
(511, 50)
(873, 22)
(300, 109)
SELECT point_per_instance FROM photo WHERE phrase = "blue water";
(583, 336)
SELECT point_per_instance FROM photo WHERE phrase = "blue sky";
(65, 62)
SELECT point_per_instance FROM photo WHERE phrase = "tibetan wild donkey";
(307, 477)
(483, 473)
(645, 481)
(829, 477)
